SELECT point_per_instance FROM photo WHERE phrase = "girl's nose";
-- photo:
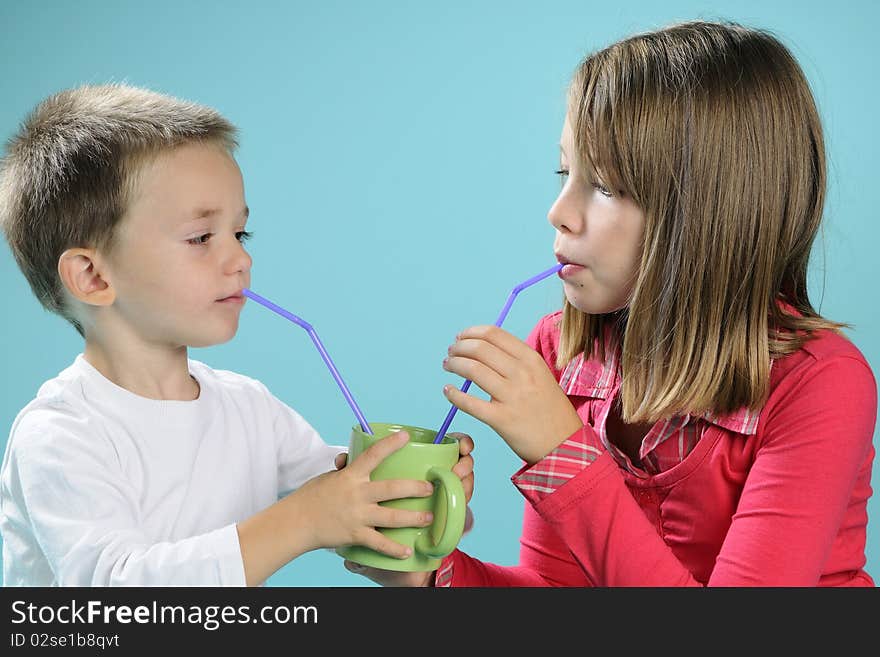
(566, 213)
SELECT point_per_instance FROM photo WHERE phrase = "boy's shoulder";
(226, 379)
(231, 385)
(55, 407)
(58, 391)
(71, 393)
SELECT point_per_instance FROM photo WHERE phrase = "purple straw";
(516, 290)
(311, 331)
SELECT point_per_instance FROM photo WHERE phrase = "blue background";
(398, 161)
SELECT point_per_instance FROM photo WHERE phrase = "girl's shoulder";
(828, 354)
(544, 337)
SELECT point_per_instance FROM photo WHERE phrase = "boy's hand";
(342, 507)
(465, 471)
(527, 408)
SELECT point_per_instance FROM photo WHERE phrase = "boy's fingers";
(395, 489)
(381, 543)
(385, 516)
(378, 451)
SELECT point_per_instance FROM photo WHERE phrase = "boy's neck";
(147, 371)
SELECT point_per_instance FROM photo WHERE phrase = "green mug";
(420, 458)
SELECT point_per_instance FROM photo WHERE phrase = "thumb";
(380, 450)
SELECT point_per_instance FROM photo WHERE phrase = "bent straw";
(327, 360)
(516, 290)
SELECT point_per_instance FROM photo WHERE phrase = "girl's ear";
(81, 275)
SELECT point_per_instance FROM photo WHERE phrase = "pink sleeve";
(815, 440)
(544, 560)
(544, 557)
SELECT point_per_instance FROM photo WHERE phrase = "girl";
(688, 418)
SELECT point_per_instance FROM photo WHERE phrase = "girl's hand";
(527, 408)
(389, 577)
(465, 466)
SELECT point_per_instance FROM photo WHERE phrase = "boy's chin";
(211, 339)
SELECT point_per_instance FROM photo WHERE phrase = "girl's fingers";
(464, 467)
(468, 485)
(484, 352)
(473, 406)
(485, 377)
(465, 442)
(506, 342)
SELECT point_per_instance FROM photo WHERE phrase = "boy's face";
(178, 265)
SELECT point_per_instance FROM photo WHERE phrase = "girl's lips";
(569, 270)
(235, 298)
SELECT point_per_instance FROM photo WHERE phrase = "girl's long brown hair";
(712, 130)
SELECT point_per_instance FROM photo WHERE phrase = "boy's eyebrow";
(202, 213)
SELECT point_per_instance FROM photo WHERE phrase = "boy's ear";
(79, 271)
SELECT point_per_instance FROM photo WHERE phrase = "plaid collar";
(592, 378)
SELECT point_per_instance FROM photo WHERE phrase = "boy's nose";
(239, 260)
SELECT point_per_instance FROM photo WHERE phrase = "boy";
(125, 210)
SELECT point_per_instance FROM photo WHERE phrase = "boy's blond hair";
(712, 130)
(67, 176)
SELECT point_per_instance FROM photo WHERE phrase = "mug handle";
(453, 491)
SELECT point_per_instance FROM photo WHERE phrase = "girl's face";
(599, 234)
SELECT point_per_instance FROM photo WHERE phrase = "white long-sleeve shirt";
(102, 487)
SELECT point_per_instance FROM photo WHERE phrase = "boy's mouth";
(237, 297)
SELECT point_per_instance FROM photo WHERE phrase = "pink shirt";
(776, 498)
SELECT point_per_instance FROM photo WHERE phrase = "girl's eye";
(200, 240)
(604, 191)
(243, 236)
(563, 175)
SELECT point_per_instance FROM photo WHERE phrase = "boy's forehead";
(201, 212)
(196, 181)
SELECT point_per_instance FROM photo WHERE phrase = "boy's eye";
(201, 239)
(243, 236)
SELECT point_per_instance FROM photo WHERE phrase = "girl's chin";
(591, 306)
